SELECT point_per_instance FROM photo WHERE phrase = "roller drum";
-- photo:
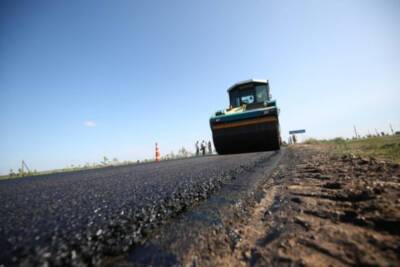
(255, 137)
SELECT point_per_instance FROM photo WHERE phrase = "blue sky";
(83, 79)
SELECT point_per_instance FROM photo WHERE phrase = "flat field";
(382, 147)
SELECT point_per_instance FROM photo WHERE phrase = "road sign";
(297, 131)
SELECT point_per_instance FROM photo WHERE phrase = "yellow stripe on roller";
(244, 122)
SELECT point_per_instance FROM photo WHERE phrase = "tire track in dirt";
(251, 231)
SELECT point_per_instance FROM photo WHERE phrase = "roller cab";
(251, 122)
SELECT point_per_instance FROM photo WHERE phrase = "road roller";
(251, 123)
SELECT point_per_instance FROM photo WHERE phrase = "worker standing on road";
(197, 148)
(209, 147)
(203, 147)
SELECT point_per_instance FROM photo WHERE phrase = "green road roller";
(251, 122)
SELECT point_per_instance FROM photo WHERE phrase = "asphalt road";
(82, 217)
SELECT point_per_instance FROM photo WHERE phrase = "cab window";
(245, 96)
(261, 93)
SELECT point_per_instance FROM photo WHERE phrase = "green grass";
(382, 147)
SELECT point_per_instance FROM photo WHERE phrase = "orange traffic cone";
(157, 153)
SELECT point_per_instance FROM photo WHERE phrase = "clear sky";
(84, 79)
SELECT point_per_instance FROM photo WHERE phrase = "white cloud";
(90, 124)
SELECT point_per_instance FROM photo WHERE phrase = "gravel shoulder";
(314, 209)
(323, 210)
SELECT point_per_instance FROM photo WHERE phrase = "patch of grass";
(313, 141)
(382, 147)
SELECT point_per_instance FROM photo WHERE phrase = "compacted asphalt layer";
(81, 218)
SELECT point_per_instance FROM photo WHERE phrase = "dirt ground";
(318, 209)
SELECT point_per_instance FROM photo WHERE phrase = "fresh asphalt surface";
(80, 218)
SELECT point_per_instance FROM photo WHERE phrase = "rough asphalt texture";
(173, 243)
(82, 217)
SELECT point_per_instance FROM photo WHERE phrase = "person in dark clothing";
(203, 147)
(209, 147)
